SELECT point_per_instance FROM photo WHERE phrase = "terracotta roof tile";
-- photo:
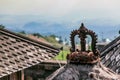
(18, 52)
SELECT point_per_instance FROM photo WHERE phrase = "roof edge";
(104, 48)
(29, 40)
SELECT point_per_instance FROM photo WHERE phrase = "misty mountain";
(44, 27)
(103, 31)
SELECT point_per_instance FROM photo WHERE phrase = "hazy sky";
(70, 13)
(67, 9)
(95, 12)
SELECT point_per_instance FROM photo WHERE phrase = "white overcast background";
(68, 9)
(17, 13)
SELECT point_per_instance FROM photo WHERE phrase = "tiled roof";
(110, 55)
(18, 52)
(38, 39)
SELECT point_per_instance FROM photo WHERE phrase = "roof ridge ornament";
(83, 55)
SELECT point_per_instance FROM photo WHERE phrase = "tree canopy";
(1, 26)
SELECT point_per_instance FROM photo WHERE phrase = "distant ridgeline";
(59, 29)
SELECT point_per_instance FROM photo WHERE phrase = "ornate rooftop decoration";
(93, 68)
(83, 55)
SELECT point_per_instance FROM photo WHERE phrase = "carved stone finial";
(83, 56)
(82, 24)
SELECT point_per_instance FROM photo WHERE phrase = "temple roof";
(110, 55)
(18, 52)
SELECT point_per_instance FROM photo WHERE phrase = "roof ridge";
(27, 39)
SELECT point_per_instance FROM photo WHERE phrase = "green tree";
(53, 36)
(1, 26)
(22, 32)
(37, 34)
(60, 41)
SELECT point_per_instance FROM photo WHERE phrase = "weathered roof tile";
(18, 52)
(110, 55)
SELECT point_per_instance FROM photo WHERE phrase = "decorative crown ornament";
(83, 55)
